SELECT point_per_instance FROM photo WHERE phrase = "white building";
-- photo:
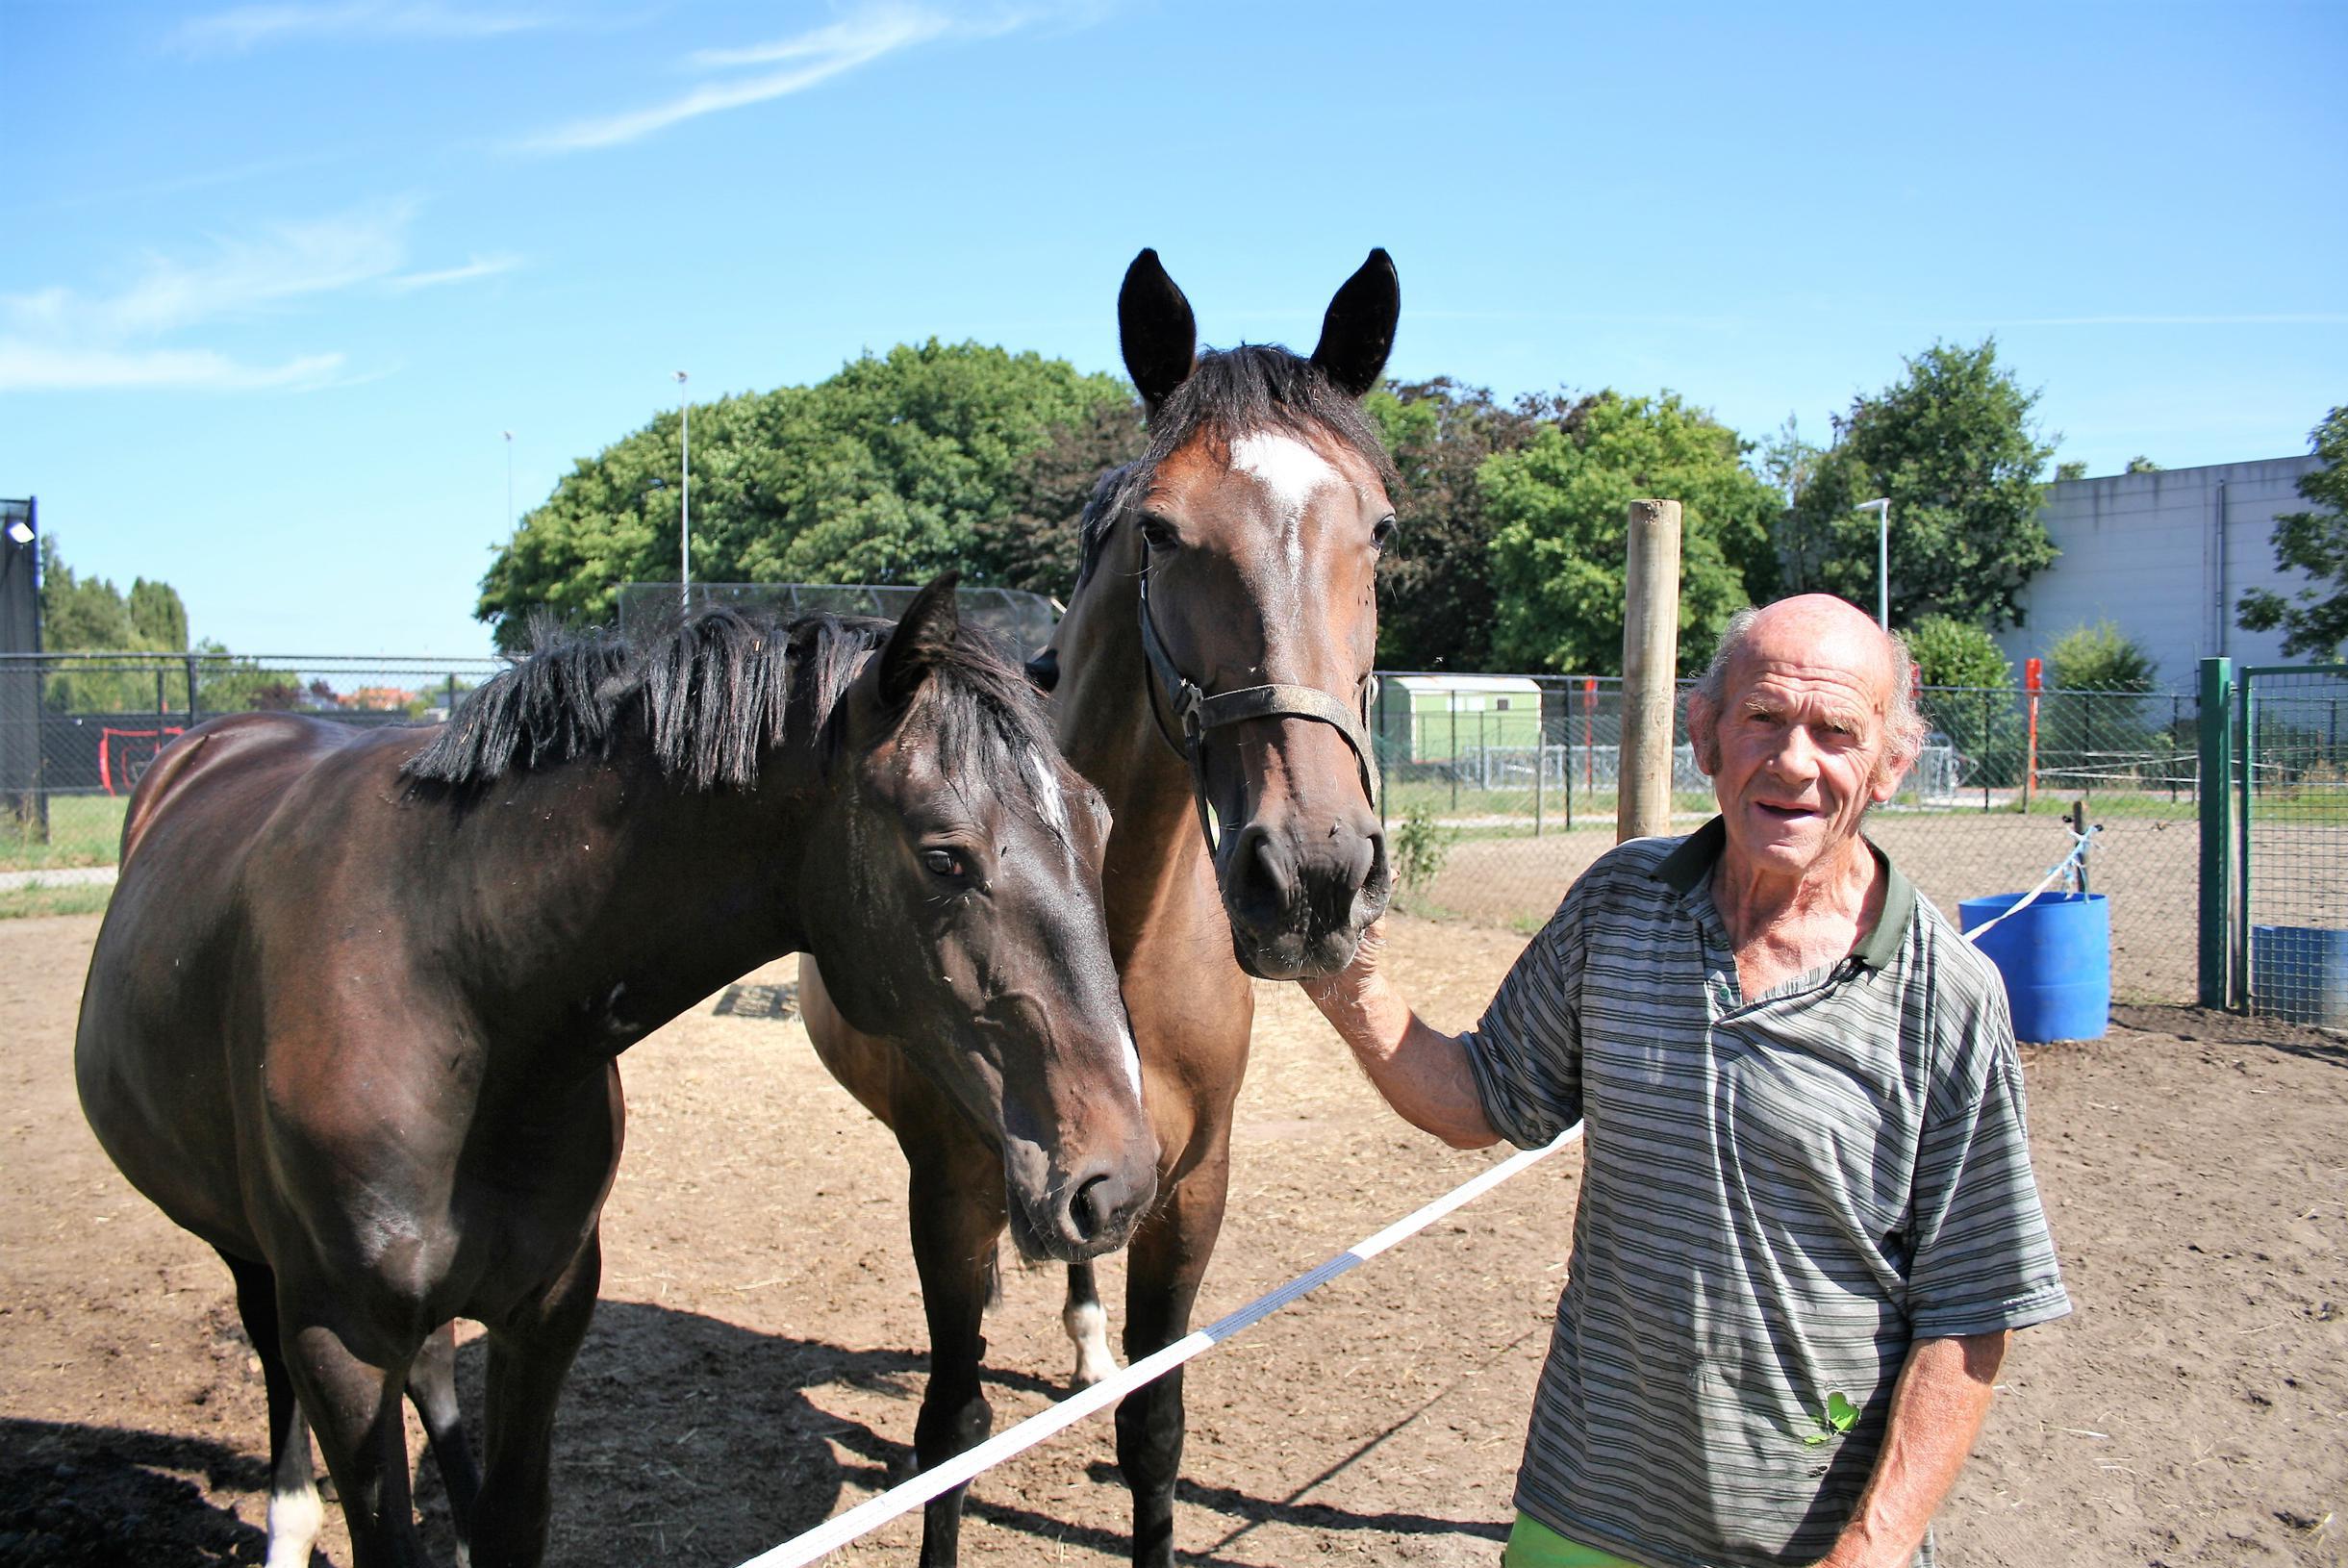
(2166, 557)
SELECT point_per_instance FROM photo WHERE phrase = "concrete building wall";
(2165, 556)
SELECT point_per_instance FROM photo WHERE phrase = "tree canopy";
(2314, 620)
(1558, 503)
(1954, 448)
(883, 474)
(1435, 596)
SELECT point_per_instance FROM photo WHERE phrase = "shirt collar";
(1685, 869)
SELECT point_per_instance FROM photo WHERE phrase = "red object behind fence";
(125, 754)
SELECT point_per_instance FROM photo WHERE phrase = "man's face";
(1800, 749)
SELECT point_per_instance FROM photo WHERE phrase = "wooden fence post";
(1651, 666)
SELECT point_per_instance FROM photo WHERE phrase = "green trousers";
(1532, 1544)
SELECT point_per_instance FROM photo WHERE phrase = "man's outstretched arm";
(1936, 1411)
(1423, 1072)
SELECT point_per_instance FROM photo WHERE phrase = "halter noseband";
(1198, 712)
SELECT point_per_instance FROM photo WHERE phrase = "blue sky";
(279, 276)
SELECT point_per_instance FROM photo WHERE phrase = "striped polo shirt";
(1781, 1194)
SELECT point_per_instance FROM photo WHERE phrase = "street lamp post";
(684, 516)
(1881, 506)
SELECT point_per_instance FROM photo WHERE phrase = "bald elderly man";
(1807, 1222)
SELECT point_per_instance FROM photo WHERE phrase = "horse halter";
(1198, 713)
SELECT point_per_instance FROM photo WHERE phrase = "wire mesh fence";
(1501, 790)
(77, 730)
(2291, 898)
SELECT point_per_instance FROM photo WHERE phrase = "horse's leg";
(295, 1513)
(432, 1388)
(1087, 1328)
(530, 1353)
(1164, 1266)
(350, 1381)
(957, 1196)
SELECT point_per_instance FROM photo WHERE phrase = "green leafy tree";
(1435, 597)
(2142, 465)
(1952, 652)
(89, 615)
(1557, 545)
(1029, 542)
(1954, 446)
(2099, 658)
(880, 474)
(2314, 619)
(1969, 696)
(2071, 470)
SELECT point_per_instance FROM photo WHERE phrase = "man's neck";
(1782, 925)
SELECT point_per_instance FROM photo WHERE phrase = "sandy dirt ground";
(758, 1356)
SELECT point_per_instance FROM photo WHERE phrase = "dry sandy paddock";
(758, 1356)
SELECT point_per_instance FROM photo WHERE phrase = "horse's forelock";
(1232, 394)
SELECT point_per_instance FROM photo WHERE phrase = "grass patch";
(80, 898)
(83, 831)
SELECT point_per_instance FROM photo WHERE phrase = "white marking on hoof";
(1088, 1325)
(296, 1519)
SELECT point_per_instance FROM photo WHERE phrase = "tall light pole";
(684, 496)
(1883, 558)
(509, 484)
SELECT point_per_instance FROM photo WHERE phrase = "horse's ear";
(923, 639)
(1358, 332)
(1156, 330)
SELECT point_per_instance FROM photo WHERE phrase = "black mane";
(1228, 394)
(713, 695)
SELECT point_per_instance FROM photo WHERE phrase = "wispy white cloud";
(248, 27)
(2304, 319)
(865, 34)
(482, 266)
(63, 339)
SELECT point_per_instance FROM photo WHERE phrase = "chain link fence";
(78, 729)
(1501, 790)
(2291, 899)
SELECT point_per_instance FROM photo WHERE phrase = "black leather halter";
(1197, 713)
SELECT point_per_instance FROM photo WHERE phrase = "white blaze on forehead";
(1286, 466)
(1290, 473)
(1133, 1059)
(1050, 800)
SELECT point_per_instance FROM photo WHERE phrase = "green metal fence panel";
(2290, 870)
(2216, 945)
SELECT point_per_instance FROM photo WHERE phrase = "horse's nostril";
(1088, 1209)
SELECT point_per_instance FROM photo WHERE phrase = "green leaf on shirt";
(1841, 1415)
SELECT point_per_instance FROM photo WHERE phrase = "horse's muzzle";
(1299, 908)
(1094, 1212)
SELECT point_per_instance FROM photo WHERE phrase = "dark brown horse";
(1212, 674)
(355, 1012)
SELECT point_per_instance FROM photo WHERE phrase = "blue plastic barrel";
(2300, 972)
(2055, 958)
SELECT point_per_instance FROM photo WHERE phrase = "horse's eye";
(946, 863)
(1381, 532)
(1159, 533)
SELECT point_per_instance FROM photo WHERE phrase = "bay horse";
(354, 1015)
(1213, 678)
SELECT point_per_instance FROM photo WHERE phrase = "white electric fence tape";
(2079, 851)
(834, 1533)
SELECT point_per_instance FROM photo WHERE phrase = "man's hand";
(1936, 1411)
(1423, 1072)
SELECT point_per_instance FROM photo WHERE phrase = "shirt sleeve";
(1980, 1255)
(1526, 1051)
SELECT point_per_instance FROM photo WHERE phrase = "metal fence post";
(1982, 740)
(2217, 830)
(192, 705)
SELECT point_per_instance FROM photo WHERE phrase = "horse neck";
(640, 894)
(1108, 730)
